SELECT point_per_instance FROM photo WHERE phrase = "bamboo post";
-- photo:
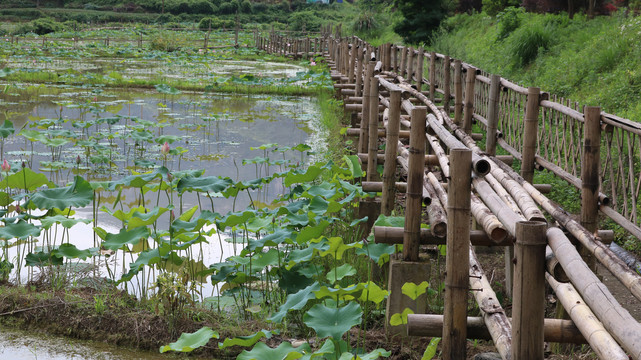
(458, 247)
(391, 146)
(352, 64)
(590, 168)
(528, 310)
(419, 68)
(458, 93)
(388, 55)
(394, 58)
(468, 111)
(236, 31)
(413, 201)
(530, 133)
(372, 147)
(363, 139)
(410, 65)
(432, 75)
(401, 70)
(359, 74)
(446, 85)
(493, 115)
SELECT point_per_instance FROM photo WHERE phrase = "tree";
(421, 18)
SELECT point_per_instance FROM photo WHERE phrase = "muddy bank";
(116, 319)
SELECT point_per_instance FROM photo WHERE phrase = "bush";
(528, 41)
(493, 7)
(509, 20)
(246, 7)
(305, 19)
(167, 41)
(165, 18)
(228, 8)
(215, 23)
(203, 7)
(45, 26)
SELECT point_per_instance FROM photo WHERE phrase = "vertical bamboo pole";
(432, 75)
(468, 111)
(493, 115)
(363, 140)
(530, 133)
(416, 170)
(394, 58)
(419, 68)
(446, 84)
(590, 166)
(401, 70)
(391, 147)
(528, 310)
(359, 73)
(410, 65)
(388, 55)
(372, 148)
(352, 63)
(458, 93)
(346, 57)
(457, 258)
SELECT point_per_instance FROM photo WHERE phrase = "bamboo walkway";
(425, 125)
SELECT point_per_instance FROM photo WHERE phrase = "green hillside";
(594, 62)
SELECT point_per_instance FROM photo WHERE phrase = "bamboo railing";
(596, 152)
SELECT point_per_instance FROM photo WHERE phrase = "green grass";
(595, 62)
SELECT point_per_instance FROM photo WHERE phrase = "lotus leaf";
(6, 129)
(189, 341)
(295, 302)
(78, 194)
(333, 321)
(249, 340)
(18, 230)
(284, 351)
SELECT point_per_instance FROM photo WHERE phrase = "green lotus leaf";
(5, 199)
(430, 351)
(333, 321)
(372, 355)
(292, 281)
(166, 89)
(338, 273)
(18, 230)
(70, 251)
(264, 259)
(414, 291)
(189, 341)
(373, 293)
(167, 138)
(65, 221)
(6, 129)
(392, 221)
(125, 237)
(42, 259)
(337, 247)
(380, 253)
(311, 173)
(296, 301)
(354, 166)
(248, 340)
(78, 194)
(284, 351)
(342, 293)
(311, 232)
(25, 179)
(141, 135)
(400, 319)
(212, 184)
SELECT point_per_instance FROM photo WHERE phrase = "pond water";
(26, 345)
(105, 135)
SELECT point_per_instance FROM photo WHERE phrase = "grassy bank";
(595, 62)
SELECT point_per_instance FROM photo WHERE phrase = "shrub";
(203, 7)
(528, 41)
(509, 20)
(167, 41)
(228, 8)
(45, 26)
(215, 23)
(246, 7)
(493, 7)
(305, 19)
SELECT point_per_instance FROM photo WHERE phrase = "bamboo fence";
(434, 101)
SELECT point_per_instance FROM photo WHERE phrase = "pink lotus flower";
(5, 166)
(165, 148)
(312, 63)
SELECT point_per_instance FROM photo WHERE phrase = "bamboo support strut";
(431, 325)
(414, 185)
(458, 245)
(617, 320)
(391, 147)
